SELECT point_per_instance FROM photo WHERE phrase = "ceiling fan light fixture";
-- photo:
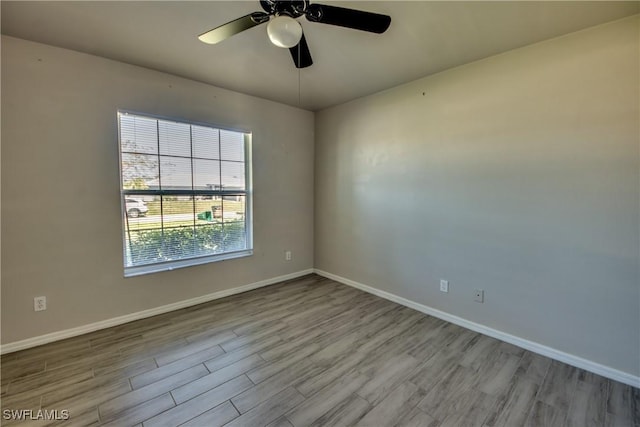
(284, 31)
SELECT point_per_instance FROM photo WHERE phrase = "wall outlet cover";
(39, 303)
(478, 295)
(444, 285)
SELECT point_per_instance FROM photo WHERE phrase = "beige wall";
(61, 224)
(518, 174)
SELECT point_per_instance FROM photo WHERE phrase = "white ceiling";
(424, 38)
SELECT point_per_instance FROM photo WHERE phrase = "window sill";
(172, 265)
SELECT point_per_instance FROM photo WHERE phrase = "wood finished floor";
(307, 352)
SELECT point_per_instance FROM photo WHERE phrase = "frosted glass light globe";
(284, 31)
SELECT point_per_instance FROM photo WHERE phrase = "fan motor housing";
(294, 8)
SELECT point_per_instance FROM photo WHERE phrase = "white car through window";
(135, 208)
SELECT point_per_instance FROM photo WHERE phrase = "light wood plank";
(444, 397)
(157, 374)
(142, 411)
(482, 349)
(533, 367)
(247, 340)
(263, 391)
(546, 415)
(400, 401)
(475, 409)
(587, 409)
(85, 399)
(47, 381)
(519, 401)
(417, 418)
(214, 379)
(15, 369)
(348, 412)
(215, 417)
(265, 371)
(326, 399)
(559, 385)
(269, 410)
(314, 383)
(114, 407)
(121, 367)
(497, 374)
(189, 349)
(200, 404)
(386, 377)
(226, 358)
(280, 422)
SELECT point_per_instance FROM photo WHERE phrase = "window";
(186, 193)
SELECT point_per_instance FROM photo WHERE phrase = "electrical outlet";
(287, 255)
(444, 285)
(39, 303)
(478, 296)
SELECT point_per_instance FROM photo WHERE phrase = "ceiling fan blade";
(349, 18)
(234, 27)
(301, 54)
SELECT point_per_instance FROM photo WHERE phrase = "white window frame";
(137, 270)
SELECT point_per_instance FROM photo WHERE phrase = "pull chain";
(299, 75)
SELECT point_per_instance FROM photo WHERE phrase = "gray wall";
(61, 222)
(518, 174)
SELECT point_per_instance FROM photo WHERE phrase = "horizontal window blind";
(185, 193)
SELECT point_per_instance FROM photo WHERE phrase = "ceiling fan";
(284, 31)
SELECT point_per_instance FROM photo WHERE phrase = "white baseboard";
(103, 324)
(535, 347)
